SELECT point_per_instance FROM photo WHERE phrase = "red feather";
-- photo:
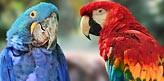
(126, 41)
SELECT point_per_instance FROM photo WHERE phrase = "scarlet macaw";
(130, 52)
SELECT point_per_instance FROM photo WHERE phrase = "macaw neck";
(118, 21)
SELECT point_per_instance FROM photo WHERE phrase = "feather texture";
(129, 50)
(22, 60)
(38, 65)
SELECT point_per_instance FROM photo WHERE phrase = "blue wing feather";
(47, 65)
(114, 73)
(6, 66)
(62, 68)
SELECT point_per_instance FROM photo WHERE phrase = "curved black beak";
(89, 26)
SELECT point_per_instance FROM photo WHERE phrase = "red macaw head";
(97, 14)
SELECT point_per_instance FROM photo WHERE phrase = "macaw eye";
(33, 14)
(100, 11)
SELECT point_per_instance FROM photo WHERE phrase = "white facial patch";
(99, 16)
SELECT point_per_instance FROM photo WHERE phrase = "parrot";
(32, 52)
(130, 52)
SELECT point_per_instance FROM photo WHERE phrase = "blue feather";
(6, 66)
(39, 65)
(20, 61)
(21, 25)
(115, 74)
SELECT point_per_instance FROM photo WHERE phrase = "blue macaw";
(32, 52)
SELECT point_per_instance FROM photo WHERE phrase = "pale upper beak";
(84, 24)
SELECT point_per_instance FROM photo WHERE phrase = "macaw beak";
(33, 25)
(44, 33)
(84, 24)
(90, 26)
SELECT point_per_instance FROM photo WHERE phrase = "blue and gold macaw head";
(36, 27)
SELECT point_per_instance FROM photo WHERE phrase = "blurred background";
(84, 61)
